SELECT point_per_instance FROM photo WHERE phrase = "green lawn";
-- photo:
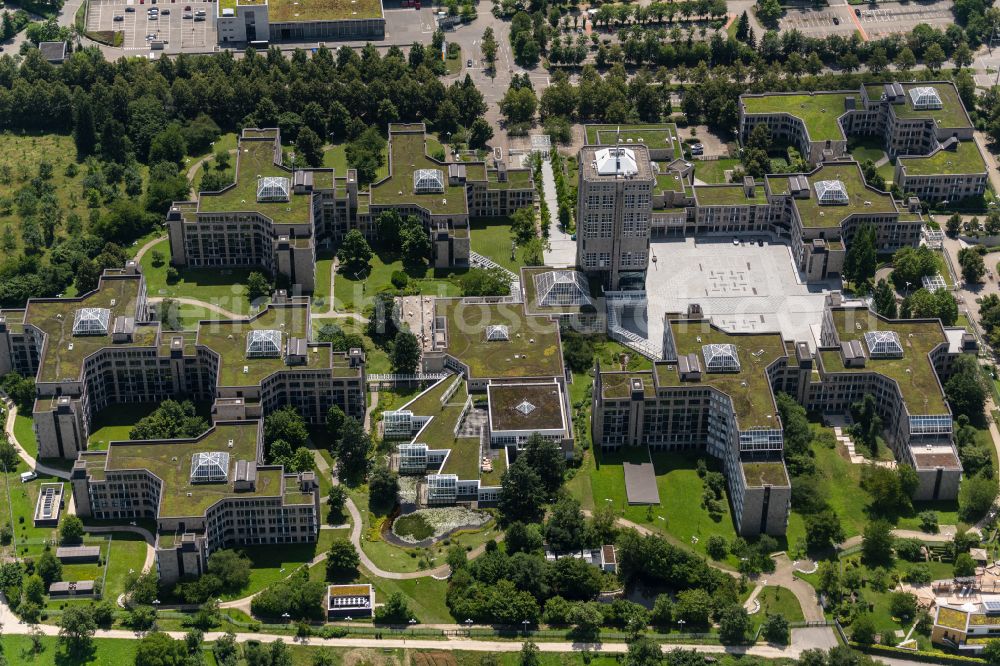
(321, 294)
(20, 511)
(714, 171)
(272, 563)
(335, 157)
(17, 650)
(220, 286)
(491, 238)
(356, 291)
(25, 433)
(679, 514)
(376, 358)
(774, 600)
(113, 423)
(128, 553)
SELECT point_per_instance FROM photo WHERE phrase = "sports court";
(742, 288)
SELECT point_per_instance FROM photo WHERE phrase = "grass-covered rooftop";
(255, 159)
(750, 388)
(767, 473)
(914, 372)
(284, 11)
(171, 462)
(965, 159)
(728, 195)
(818, 111)
(952, 113)
(531, 350)
(660, 136)
(525, 407)
(64, 353)
(407, 153)
(862, 199)
(228, 338)
(439, 432)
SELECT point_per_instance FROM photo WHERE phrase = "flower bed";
(435, 523)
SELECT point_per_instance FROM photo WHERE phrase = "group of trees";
(171, 420)
(228, 571)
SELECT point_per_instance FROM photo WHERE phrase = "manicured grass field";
(274, 562)
(774, 600)
(17, 650)
(113, 423)
(714, 171)
(355, 291)
(25, 434)
(20, 511)
(679, 515)
(491, 238)
(220, 286)
(321, 294)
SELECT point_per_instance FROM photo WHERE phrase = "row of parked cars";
(154, 14)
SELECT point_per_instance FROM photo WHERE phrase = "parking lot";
(873, 20)
(170, 26)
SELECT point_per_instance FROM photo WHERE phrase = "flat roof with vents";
(91, 321)
(209, 467)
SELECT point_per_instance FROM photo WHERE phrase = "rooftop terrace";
(170, 460)
(228, 338)
(914, 372)
(966, 159)
(862, 200)
(255, 159)
(407, 153)
(749, 389)
(532, 349)
(64, 352)
(819, 111)
(525, 407)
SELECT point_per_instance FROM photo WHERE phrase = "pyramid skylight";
(561, 288)
(831, 192)
(883, 344)
(210, 467)
(273, 188)
(263, 343)
(428, 180)
(721, 358)
(925, 97)
(91, 321)
(497, 332)
(615, 161)
(525, 407)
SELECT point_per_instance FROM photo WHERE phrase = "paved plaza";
(741, 288)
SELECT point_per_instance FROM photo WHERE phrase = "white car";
(28, 476)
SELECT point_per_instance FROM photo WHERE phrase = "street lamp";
(525, 623)
(681, 623)
(413, 621)
(468, 622)
(286, 616)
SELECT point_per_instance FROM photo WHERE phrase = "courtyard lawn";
(389, 557)
(774, 600)
(219, 286)
(491, 238)
(24, 431)
(376, 358)
(112, 424)
(355, 291)
(321, 294)
(680, 513)
(867, 151)
(19, 512)
(714, 171)
(335, 157)
(17, 650)
(128, 553)
(273, 562)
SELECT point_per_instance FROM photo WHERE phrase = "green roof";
(965, 159)
(255, 159)
(228, 338)
(952, 114)
(439, 432)
(819, 111)
(914, 372)
(284, 11)
(728, 195)
(750, 388)
(63, 355)
(952, 618)
(545, 400)
(170, 460)
(618, 385)
(768, 473)
(517, 179)
(653, 135)
(463, 461)
(860, 195)
(407, 153)
(533, 340)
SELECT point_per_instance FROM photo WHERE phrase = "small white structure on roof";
(721, 358)
(561, 288)
(273, 188)
(831, 192)
(209, 467)
(925, 97)
(883, 344)
(428, 180)
(263, 343)
(616, 161)
(91, 321)
(525, 407)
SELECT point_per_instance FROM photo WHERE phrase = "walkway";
(133, 529)
(25, 456)
(561, 251)
(147, 247)
(200, 304)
